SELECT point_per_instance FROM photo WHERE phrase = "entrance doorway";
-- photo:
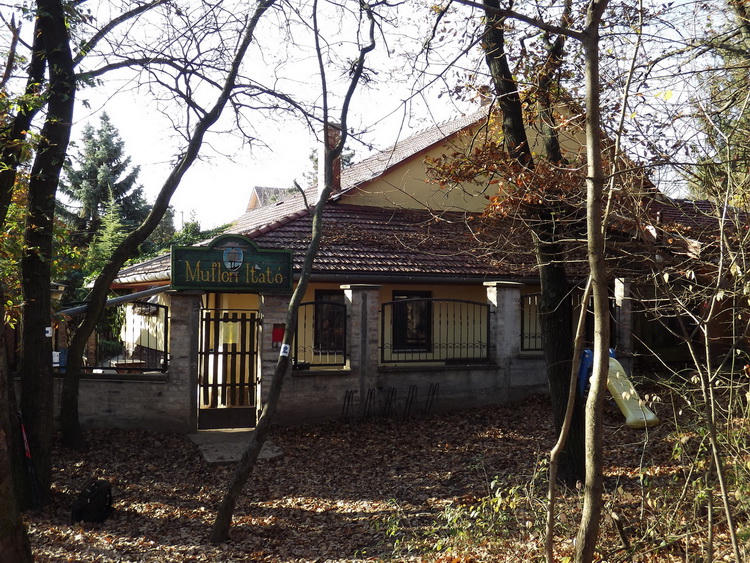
(227, 368)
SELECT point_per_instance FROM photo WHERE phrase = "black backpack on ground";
(94, 502)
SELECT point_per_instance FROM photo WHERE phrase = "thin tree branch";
(536, 22)
(99, 35)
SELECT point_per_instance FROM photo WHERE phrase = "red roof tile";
(373, 242)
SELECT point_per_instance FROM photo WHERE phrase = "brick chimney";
(332, 135)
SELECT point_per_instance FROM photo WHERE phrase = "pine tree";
(102, 170)
(102, 195)
(106, 240)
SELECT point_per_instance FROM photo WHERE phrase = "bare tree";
(594, 486)
(53, 51)
(51, 84)
(36, 343)
(518, 148)
(14, 131)
(544, 221)
(206, 117)
(220, 529)
(697, 287)
(14, 542)
(698, 295)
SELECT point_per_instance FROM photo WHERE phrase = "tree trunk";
(220, 529)
(14, 543)
(36, 349)
(10, 158)
(70, 424)
(506, 89)
(556, 452)
(592, 502)
(69, 420)
(555, 315)
(14, 135)
(556, 327)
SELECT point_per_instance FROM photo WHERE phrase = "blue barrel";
(584, 370)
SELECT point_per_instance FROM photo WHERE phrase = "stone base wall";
(318, 395)
(311, 396)
(165, 402)
(158, 405)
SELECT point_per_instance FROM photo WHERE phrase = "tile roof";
(696, 218)
(269, 216)
(373, 242)
(355, 175)
(262, 220)
(153, 271)
(683, 226)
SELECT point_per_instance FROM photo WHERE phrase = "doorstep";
(227, 446)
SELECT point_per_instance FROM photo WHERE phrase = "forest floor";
(458, 487)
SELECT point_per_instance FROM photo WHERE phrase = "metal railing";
(227, 358)
(131, 338)
(320, 338)
(448, 331)
(531, 329)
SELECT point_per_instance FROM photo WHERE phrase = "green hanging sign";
(231, 263)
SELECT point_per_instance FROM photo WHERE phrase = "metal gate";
(227, 369)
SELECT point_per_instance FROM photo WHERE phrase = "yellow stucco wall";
(231, 301)
(408, 184)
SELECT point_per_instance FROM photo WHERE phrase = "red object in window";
(277, 334)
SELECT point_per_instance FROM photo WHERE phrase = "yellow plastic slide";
(637, 415)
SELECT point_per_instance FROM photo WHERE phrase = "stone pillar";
(624, 317)
(184, 331)
(273, 309)
(505, 320)
(362, 304)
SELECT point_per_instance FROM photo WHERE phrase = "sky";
(216, 189)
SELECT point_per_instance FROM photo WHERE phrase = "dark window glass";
(330, 320)
(412, 321)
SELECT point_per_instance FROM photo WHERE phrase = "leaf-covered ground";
(376, 490)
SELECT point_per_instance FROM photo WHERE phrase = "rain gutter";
(117, 300)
